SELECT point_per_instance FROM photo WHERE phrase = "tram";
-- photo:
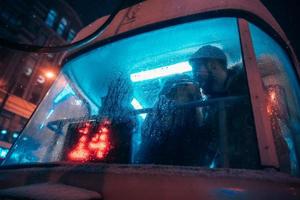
(175, 100)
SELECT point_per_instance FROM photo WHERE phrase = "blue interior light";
(3, 132)
(138, 106)
(178, 68)
(64, 94)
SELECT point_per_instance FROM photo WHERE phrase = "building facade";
(26, 77)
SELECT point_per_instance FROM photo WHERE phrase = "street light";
(49, 74)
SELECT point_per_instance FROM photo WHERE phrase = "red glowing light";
(272, 102)
(95, 147)
(79, 154)
(104, 129)
(269, 109)
(273, 96)
(95, 138)
(84, 131)
(100, 155)
(102, 145)
(103, 137)
(83, 139)
(81, 145)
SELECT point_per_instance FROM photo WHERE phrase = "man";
(232, 126)
(210, 71)
(183, 136)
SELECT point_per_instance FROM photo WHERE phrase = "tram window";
(283, 98)
(174, 96)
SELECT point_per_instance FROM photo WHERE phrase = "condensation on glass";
(282, 96)
(145, 90)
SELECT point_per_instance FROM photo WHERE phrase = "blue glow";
(3, 132)
(138, 106)
(64, 94)
(47, 117)
(50, 113)
(3, 152)
(212, 164)
(229, 193)
(15, 135)
(178, 68)
(41, 126)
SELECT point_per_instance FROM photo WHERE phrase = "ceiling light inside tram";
(177, 68)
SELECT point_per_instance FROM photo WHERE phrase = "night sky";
(92, 9)
(287, 14)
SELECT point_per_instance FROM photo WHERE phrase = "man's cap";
(210, 52)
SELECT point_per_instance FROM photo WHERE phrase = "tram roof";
(152, 12)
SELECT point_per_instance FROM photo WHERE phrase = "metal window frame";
(265, 138)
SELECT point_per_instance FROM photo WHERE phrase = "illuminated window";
(71, 35)
(50, 20)
(62, 26)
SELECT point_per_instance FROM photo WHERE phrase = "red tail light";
(92, 145)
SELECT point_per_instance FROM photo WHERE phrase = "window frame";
(267, 159)
(265, 139)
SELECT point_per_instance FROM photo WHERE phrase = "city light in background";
(15, 135)
(50, 74)
(3, 152)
